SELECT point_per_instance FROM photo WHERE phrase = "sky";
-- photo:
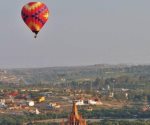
(78, 32)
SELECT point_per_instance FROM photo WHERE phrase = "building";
(80, 102)
(54, 105)
(75, 118)
(93, 102)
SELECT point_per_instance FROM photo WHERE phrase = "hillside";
(60, 74)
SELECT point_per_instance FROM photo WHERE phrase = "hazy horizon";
(78, 33)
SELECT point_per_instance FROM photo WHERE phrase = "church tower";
(75, 118)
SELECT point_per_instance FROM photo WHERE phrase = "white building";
(80, 102)
(91, 102)
(94, 102)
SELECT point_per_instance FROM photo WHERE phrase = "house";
(54, 105)
(80, 102)
(94, 102)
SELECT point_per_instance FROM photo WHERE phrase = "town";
(96, 96)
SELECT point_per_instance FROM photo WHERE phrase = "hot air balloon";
(35, 15)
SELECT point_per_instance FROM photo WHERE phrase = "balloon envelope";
(35, 15)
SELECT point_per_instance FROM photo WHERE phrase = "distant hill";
(58, 74)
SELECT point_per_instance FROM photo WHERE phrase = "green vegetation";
(95, 114)
(121, 122)
(96, 81)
